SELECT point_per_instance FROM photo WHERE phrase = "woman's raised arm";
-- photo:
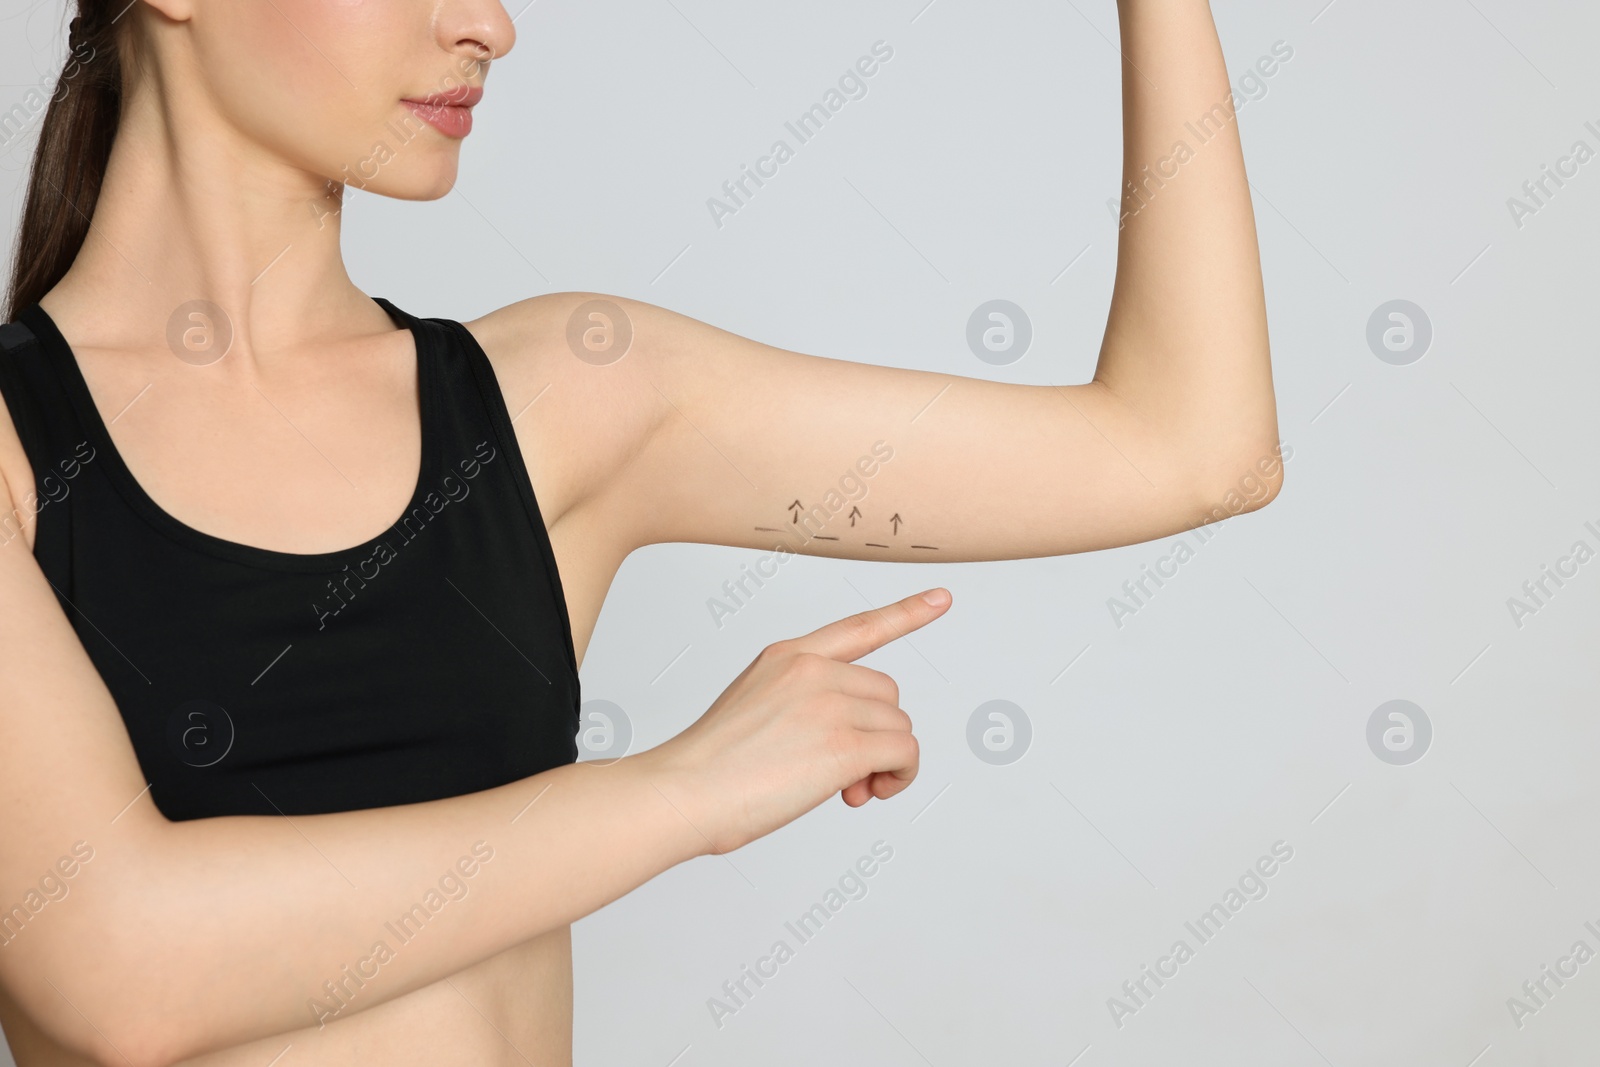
(712, 437)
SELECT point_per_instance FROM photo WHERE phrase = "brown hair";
(70, 160)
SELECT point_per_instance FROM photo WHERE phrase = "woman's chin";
(422, 174)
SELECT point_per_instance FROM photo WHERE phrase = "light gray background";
(1231, 712)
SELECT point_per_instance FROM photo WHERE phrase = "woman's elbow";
(1246, 480)
(83, 983)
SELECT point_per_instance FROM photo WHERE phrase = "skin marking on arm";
(859, 523)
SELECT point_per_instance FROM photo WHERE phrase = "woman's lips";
(449, 113)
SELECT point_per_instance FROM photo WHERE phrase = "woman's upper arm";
(72, 803)
(694, 433)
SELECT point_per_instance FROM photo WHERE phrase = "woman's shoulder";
(561, 360)
(16, 475)
(540, 327)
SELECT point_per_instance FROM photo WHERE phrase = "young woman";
(279, 770)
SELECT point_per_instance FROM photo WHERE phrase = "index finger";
(854, 636)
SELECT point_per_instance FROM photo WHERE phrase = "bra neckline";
(60, 355)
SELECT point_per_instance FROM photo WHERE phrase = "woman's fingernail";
(937, 597)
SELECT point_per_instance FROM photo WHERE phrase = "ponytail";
(70, 160)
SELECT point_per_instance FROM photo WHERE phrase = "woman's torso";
(514, 1007)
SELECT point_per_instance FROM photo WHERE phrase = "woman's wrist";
(676, 792)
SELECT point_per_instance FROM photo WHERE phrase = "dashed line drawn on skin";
(798, 508)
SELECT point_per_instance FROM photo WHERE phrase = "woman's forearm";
(198, 935)
(137, 941)
(1186, 339)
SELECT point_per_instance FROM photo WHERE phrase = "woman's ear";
(175, 10)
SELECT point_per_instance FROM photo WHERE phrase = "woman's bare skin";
(201, 943)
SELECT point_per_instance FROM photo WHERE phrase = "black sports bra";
(434, 660)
